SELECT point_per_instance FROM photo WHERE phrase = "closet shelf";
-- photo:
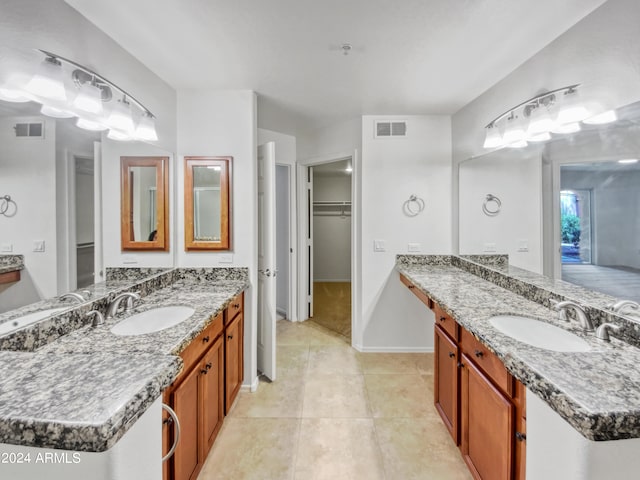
(332, 208)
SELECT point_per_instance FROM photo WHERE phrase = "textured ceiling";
(408, 57)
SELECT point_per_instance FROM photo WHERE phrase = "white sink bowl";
(152, 320)
(539, 334)
(20, 322)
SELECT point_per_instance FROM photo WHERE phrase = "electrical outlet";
(414, 247)
(129, 259)
(8, 248)
(523, 246)
(379, 246)
(490, 248)
(226, 258)
(38, 245)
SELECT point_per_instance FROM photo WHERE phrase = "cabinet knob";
(442, 319)
(208, 366)
(230, 337)
(236, 306)
(460, 365)
(205, 339)
(478, 353)
(412, 287)
(167, 421)
(451, 354)
(204, 371)
(521, 436)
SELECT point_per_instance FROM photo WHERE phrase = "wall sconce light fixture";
(558, 111)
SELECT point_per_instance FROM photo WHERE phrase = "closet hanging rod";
(319, 202)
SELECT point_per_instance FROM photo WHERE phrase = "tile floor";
(335, 413)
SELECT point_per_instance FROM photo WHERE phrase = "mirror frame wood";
(161, 164)
(225, 163)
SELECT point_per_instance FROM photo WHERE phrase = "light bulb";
(90, 125)
(12, 95)
(89, 99)
(571, 110)
(493, 139)
(567, 128)
(48, 81)
(146, 129)
(540, 121)
(120, 118)
(602, 118)
(54, 112)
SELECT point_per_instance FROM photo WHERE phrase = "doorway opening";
(283, 246)
(330, 222)
(575, 226)
(84, 221)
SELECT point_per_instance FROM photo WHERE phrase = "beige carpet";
(332, 307)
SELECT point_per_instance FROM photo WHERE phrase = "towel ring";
(6, 204)
(488, 209)
(414, 206)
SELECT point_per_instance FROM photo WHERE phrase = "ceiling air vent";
(29, 130)
(390, 129)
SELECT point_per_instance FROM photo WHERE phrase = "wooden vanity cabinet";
(234, 350)
(480, 403)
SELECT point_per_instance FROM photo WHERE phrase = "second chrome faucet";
(112, 310)
(581, 315)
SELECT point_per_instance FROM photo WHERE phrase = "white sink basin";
(539, 334)
(20, 322)
(152, 320)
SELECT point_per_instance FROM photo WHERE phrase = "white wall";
(331, 234)
(223, 123)
(515, 177)
(335, 139)
(392, 170)
(28, 175)
(601, 52)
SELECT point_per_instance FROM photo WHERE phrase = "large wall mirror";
(207, 206)
(145, 203)
(569, 209)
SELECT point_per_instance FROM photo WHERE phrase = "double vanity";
(524, 389)
(82, 395)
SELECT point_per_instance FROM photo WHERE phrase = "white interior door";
(98, 269)
(309, 251)
(267, 260)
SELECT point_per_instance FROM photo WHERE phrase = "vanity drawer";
(487, 361)
(200, 344)
(444, 320)
(235, 307)
(423, 297)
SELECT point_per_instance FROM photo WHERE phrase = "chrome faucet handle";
(87, 293)
(134, 296)
(98, 319)
(561, 312)
(602, 332)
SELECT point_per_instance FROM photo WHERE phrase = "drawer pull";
(236, 306)
(204, 371)
(478, 353)
(411, 287)
(442, 319)
(521, 436)
(206, 339)
(451, 354)
(208, 366)
(230, 337)
(460, 365)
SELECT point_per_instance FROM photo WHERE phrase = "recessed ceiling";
(408, 56)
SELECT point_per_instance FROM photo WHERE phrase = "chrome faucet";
(115, 303)
(621, 305)
(98, 319)
(72, 296)
(581, 314)
(602, 332)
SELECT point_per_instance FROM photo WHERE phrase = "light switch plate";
(414, 247)
(490, 248)
(226, 258)
(379, 246)
(38, 245)
(6, 248)
(523, 246)
(129, 259)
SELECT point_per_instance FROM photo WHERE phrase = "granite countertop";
(597, 392)
(11, 263)
(83, 390)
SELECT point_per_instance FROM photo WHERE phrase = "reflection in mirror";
(207, 203)
(570, 207)
(145, 203)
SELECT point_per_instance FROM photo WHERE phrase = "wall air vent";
(385, 129)
(29, 130)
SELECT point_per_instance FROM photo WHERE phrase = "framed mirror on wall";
(207, 203)
(144, 203)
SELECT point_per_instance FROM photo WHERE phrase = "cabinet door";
(233, 361)
(487, 426)
(446, 381)
(186, 458)
(211, 395)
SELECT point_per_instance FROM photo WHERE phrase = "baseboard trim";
(282, 311)
(250, 387)
(364, 349)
